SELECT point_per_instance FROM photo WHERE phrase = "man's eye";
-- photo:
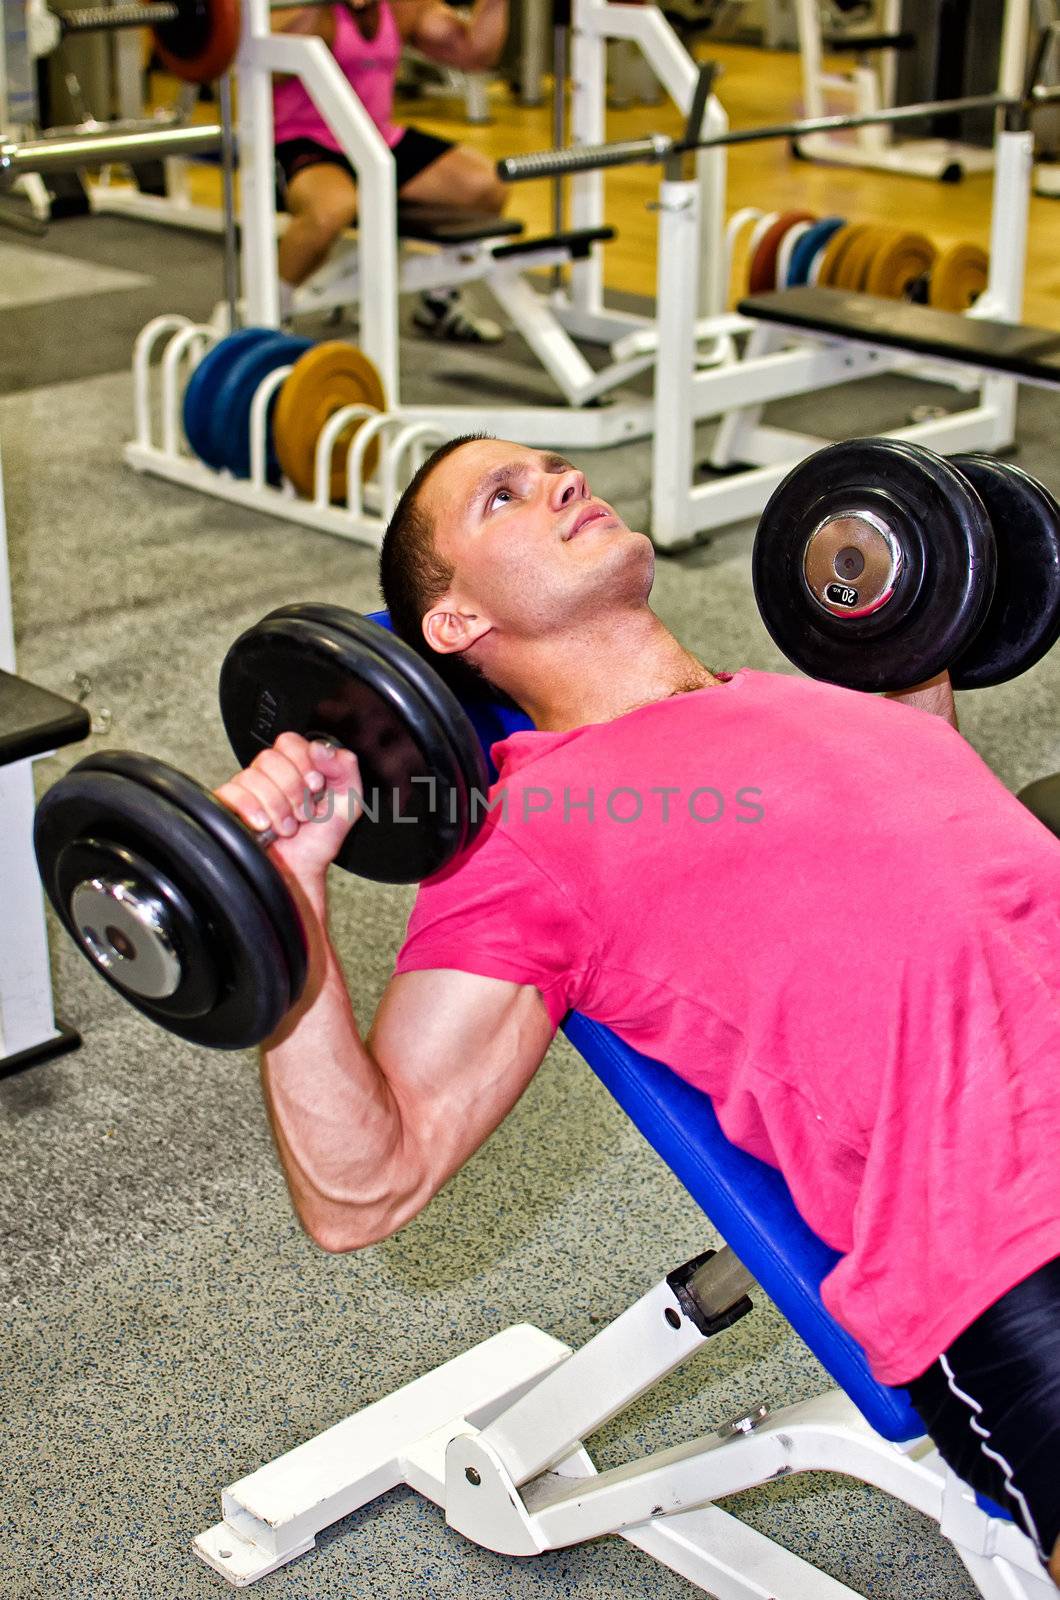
(496, 497)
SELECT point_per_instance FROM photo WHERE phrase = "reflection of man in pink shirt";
(818, 906)
(366, 38)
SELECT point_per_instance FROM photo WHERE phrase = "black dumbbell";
(878, 564)
(174, 900)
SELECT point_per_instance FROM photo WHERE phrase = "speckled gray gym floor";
(166, 1326)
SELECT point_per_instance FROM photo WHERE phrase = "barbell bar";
(656, 148)
(87, 149)
(154, 14)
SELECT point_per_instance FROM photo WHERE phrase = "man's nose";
(569, 486)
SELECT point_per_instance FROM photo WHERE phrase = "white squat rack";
(775, 364)
(863, 89)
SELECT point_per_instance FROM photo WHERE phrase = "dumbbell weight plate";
(202, 388)
(452, 719)
(297, 674)
(958, 277)
(835, 250)
(216, 973)
(202, 44)
(898, 264)
(234, 396)
(329, 376)
(873, 564)
(762, 273)
(858, 257)
(236, 840)
(809, 245)
(1023, 622)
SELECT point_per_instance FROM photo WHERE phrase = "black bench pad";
(1043, 798)
(1014, 347)
(576, 241)
(34, 720)
(441, 225)
(854, 43)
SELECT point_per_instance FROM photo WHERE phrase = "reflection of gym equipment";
(495, 1436)
(871, 85)
(33, 722)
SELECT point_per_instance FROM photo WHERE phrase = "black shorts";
(991, 1402)
(414, 152)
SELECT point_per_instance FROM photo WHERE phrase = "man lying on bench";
(817, 906)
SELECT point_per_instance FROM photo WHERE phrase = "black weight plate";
(191, 938)
(234, 838)
(295, 674)
(253, 993)
(941, 595)
(1023, 622)
(453, 719)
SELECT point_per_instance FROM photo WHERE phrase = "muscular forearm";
(487, 29)
(337, 1126)
(934, 696)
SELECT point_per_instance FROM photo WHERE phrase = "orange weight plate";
(857, 260)
(762, 275)
(835, 250)
(201, 45)
(327, 377)
(958, 277)
(898, 264)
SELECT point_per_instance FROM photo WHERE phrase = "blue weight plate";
(202, 386)
(807, 247)
(234, 395)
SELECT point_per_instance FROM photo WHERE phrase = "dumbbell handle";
(269, 836)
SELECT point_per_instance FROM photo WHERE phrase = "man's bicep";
(457, 1051)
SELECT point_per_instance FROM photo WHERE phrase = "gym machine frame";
(769, 370)
(866, 89)
(775, 364)
(549, 324)
(494, 1437)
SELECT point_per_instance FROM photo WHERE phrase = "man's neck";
(598, 673)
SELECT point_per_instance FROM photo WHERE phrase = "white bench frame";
(495, 1436)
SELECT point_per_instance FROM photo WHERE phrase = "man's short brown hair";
(413, 576)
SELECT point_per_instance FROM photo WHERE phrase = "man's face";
(532, 549)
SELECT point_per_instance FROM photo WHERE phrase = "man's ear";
(450, 631)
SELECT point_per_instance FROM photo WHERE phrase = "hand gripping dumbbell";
(173, 899)
(878, 564)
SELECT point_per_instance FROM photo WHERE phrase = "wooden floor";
(756, 87)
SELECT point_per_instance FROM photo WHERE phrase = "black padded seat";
(1014, 347)
(441, 225)
(34, 720)
(576, 241)
(855, 43)
(1043, 798)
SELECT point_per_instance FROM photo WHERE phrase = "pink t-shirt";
(823, 910)
(371, 66)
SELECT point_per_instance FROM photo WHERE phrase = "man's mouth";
(590, 513)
